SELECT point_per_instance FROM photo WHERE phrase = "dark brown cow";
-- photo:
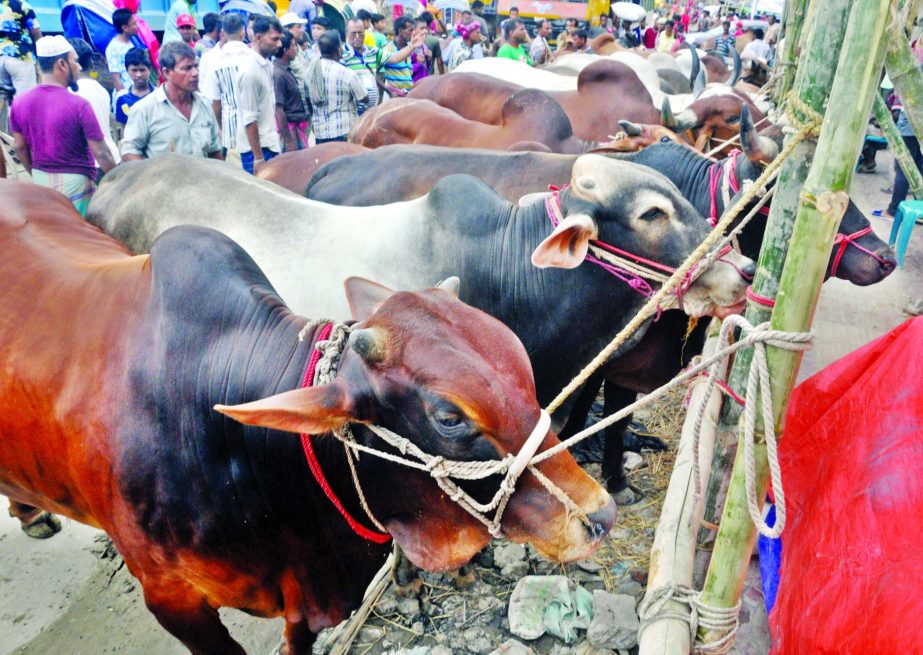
(114, 366)
(293, 170)
(528, 118)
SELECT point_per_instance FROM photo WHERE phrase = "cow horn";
(666, 114)
(699, 85)
(631, 129)
(450, 285)
(686, 120)
(369, 344)
(737, 67)
(696, 64)
(757, 148)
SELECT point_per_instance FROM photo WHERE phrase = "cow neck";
(312, 375)
(723, 179)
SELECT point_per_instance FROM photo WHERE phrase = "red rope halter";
(311, 457)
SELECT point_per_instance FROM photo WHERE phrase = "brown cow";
(607, 91)
(529, 120)
(293, 170)
(114, 423)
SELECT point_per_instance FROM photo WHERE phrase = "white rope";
(656, 606)
(440, 469)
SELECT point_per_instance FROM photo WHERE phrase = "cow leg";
(406, 576)
(588, 449)
(612, 469)
(34, 521)
(185, 614)
(299, 639)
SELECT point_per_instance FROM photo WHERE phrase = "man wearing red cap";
(56, 133)
(186, 26)
(177, 7)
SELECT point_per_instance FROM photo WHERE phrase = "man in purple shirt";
(57, 134)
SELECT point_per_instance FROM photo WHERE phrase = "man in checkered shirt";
(333, 91)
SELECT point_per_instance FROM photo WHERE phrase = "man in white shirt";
(126, 26)
(94, 93)
(540, 51)
(259, 140)
(221, 79)
(757, 48)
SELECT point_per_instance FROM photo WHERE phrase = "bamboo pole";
(904, 71)
(813, 83)
(673, 550)
(901, 154)
(823, 202)
(794, 22)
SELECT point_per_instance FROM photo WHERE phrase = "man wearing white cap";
(299, 63)
(57, 134)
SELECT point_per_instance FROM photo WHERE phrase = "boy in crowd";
(138, 64)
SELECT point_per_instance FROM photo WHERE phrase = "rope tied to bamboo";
(757, 337)
(658, 605)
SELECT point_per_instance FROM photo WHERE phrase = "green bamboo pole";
(794, 21)
(904, 71)
(813, 83)
(901, 153)
(823, 201)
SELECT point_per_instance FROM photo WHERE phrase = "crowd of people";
(257, 85)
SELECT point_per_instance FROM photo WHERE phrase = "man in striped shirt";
(333, 91)
(726, 41)
(396, 68)
(362, 60)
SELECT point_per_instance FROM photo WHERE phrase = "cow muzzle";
(721, 289)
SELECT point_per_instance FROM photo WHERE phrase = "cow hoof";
(43, 526)
(639, 439)
(410, 589)
(463, 577)
(627, 496)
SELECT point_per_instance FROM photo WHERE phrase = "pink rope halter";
(635, 282)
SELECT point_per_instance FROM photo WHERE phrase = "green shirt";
(518, 53)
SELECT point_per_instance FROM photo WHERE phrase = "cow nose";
(748, 271)
(601, 521)
(887, 261)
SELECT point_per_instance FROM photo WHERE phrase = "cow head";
(637, 136)
(639, 210)
(859, 256)
(459, 385)
(715, 114)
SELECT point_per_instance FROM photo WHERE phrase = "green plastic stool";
(907, 214)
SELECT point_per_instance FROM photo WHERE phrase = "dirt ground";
(66, 595)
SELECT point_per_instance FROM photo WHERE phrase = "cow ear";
(365, 296)
(567, 246)
(313, 410)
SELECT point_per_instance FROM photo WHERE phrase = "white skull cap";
(52, 46)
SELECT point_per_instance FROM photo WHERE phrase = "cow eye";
(733, 120)
(665, 139)
(449, 422)
(652, 214)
